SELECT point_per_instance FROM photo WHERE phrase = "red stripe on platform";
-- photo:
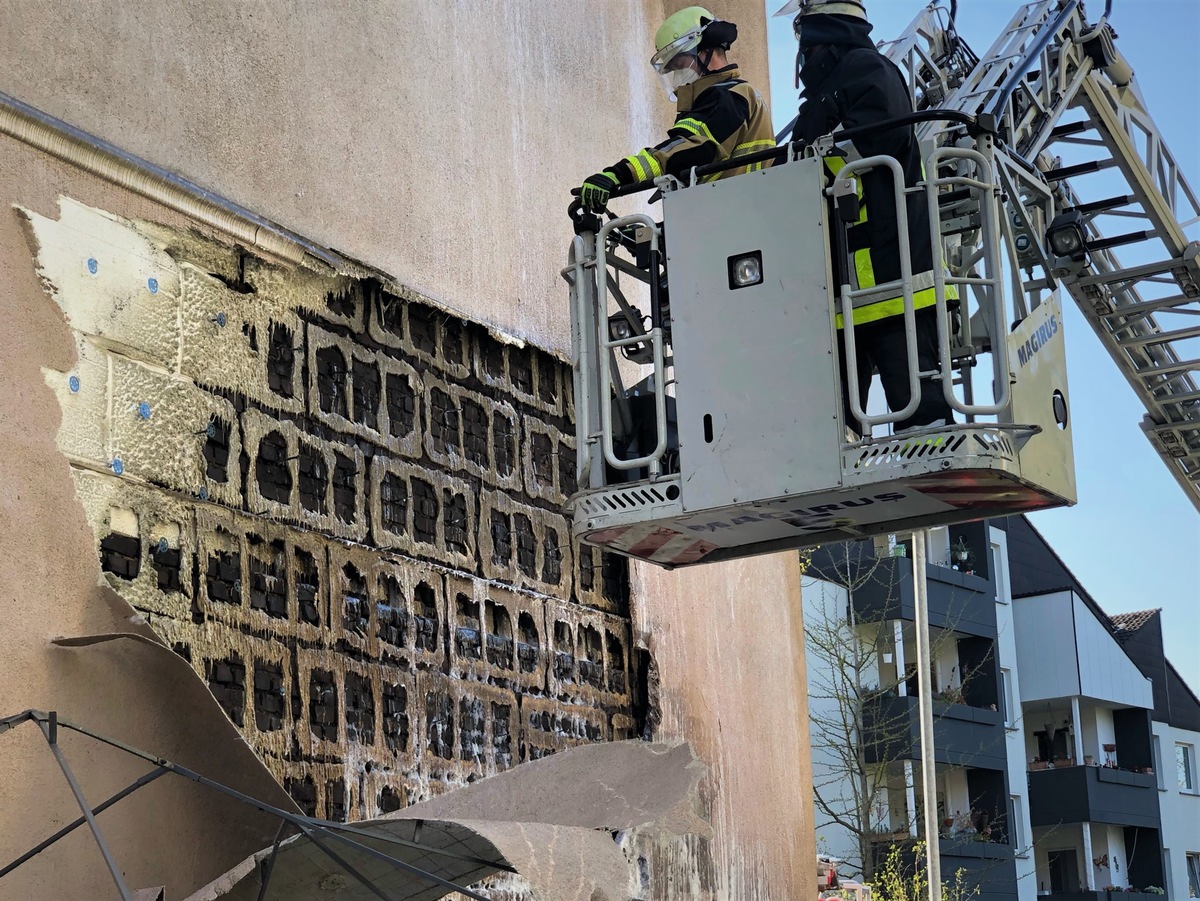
(697, 551)
(608, 536)
(652, 542)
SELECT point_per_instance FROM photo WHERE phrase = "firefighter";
(718, 116)
(848, 83)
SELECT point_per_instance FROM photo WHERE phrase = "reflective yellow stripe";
(749, 147)
(752, 147)
(644, 165)
(864, 270)
(835, 164)
(696, 127)
(895, 306)
(639, 173)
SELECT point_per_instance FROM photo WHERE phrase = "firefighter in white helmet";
(848, 83)
(718, 115)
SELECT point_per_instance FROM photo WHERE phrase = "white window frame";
(1015, 827)
(1159, 771)
(1006, 687)
(1189, 768)
(1192, 860)
(998, 575)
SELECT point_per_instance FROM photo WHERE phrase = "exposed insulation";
(341, 506)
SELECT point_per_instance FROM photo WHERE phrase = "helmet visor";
(674, 79)
(677, 54)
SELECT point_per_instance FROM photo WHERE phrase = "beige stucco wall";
(436, 143)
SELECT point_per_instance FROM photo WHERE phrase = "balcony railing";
(957, 601)
(1092, 794)
(963, 736)
(1101, 896)
(990, 866)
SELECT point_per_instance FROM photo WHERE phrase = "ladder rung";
(1190, 397)
(1119, 240)
(1161, 337)
(1100, 205)
(1182, 366)
(1071, 128)
(1079, 169)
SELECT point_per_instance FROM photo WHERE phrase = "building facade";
(1079, 781)
(869, 804)
(291, 435)
(1176, 738)
(1095, 811)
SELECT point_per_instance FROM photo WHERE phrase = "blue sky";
(1133, 539)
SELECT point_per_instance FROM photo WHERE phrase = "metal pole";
(270, 862)
(96, 811)
(925, 688)
(49, 729)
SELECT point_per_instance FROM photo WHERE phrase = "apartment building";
(1086, 710)
(1175, 724)
(981, 811)
(1065, 742)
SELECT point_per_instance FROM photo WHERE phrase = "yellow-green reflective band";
(836, 164)
(644, 165)
(696, 127)
(752, 147)
(894, 307)
(863, 268)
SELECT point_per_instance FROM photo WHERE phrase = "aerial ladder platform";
(708, 404)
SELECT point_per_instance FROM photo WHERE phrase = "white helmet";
(826, 7)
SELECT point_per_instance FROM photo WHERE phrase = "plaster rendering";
(439, 147)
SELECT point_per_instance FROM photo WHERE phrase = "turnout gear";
(848, 83)
(596, 189)
(718, 117)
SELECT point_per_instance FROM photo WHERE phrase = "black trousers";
(881, 346)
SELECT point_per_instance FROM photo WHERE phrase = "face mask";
(678, 78)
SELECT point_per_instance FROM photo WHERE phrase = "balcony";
(1093, 794)
(957, 601)
(1101, 896)
(963, 736)
(990, 866)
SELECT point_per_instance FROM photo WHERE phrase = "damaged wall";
(339, 504)
(341, 507)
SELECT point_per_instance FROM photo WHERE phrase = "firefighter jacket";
(849, 85)
(719, 116)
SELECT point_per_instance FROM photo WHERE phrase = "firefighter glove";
(596, 189)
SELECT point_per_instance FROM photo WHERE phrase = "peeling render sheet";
(554, 820)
